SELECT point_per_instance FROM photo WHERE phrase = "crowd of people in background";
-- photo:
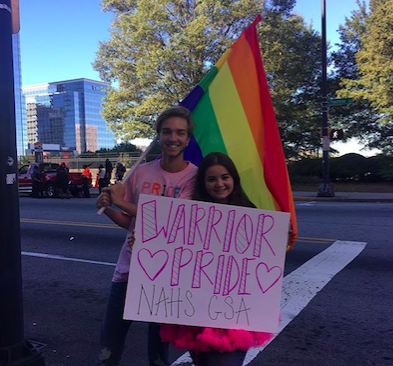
(104, 174)
(62, 180)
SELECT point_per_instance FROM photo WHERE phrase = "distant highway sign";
(340, 101)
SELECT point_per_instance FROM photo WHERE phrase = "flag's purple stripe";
(192, 99)
(193, 152)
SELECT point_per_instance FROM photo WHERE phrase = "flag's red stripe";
(276, 175)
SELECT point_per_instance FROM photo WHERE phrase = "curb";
(338, 199)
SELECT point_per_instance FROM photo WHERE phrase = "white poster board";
(206, 264)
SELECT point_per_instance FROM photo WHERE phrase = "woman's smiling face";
(219, 183)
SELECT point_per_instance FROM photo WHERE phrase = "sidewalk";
(344, 197)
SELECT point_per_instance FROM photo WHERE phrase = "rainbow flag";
(233, 114)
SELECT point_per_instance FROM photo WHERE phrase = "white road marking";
(70, 223)
(52, 256)
(301, 286)
(312, 203)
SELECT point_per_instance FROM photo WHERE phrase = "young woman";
(217, 181)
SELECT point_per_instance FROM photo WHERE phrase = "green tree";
(368, 44)
(358, 118)
(122, 147)
(159, 50)
(292, 61)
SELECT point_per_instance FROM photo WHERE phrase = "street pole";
(14, 349)
(325, 188)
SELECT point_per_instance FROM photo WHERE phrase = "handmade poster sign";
(206, 264)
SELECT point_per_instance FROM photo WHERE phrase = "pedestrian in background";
(62, 181)
(108, 171)
(86, 176)
(120, 170)
(36, 182)
(102, 181)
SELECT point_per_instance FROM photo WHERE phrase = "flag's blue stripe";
(192, 99)
(193, 152)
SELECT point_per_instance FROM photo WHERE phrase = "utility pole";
(325, 188)
(14, 349)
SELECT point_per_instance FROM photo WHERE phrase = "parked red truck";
(48, 179)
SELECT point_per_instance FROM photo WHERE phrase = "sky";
(60, 38)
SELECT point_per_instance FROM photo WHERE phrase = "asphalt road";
(349, 322)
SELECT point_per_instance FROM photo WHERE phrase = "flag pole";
(325, 188)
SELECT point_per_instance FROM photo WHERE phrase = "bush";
(349, 167)
(303, 180)
(381, 168)
(346, 168)
(309, 167)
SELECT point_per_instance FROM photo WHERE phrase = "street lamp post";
(325, 188)
(14, 349)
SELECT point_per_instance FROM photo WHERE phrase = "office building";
(68, 113)
(20, 105)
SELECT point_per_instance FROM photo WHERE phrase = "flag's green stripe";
(207, 132)
(207, 79)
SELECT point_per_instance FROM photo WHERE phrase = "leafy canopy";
(292, 61)
(159, 50)
(367, 45)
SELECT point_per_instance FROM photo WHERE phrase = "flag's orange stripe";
(244, 73)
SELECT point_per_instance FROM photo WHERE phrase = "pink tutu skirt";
(208, 339)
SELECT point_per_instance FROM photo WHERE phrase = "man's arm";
(118, 217)
(117, 194)
(128, 207)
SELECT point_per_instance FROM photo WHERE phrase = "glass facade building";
(68, 113)
(20, 105)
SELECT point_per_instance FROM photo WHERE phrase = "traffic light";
(336, 134)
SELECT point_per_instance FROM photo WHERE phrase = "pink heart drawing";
(270, 276)
(150, 262)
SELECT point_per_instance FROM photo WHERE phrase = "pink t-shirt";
(150, 178)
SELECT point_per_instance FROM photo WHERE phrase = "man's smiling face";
(173, 136)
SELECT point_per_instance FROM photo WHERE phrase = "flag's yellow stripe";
(238, 138)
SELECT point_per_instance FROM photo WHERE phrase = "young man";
(169, 176)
